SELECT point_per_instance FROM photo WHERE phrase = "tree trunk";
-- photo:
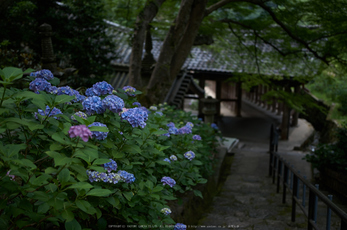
(143, 19)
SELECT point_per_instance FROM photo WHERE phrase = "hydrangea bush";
(87, 161)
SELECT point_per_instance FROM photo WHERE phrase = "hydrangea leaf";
(99, 192)
(72, 225)
(60, 99)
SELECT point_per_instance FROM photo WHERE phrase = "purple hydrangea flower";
(180, 226)
(80, 131)
(39, 84)
(93, 105)
(167, 160)
(48, 112)
(168, 180)
(12, 177)
(185, 130)
(136, 117)
(130, 91)
(103, 88)
(189, 155)
(173, 158)
(113, 103)
(166, 211)
(110, 166)
(97, 134)
(197, 138)
(80, 114)
(137, 104)
(91, 92)
(126, 177)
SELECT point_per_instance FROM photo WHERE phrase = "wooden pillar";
(218, 96)
(239, 98)
(295, 117)
(260, 93)
(279, 104)
(285, 119)
(268, 106)
(200, 105)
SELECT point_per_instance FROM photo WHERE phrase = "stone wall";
(318, 117)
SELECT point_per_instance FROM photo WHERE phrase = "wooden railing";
(285, 175)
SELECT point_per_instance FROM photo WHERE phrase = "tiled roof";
(236, 59)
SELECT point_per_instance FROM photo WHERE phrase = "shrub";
(332, 156)
(84, 162)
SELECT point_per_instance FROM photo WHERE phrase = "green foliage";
(43, 171)
(332, 156)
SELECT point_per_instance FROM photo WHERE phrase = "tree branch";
(218, 5)
(287, 30)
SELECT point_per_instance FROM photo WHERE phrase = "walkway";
(248, 199)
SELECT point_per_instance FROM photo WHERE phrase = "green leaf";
(81, 185)
(25, 163)
(156, 196)
(128, 195)
(197, 162)
(51, 187)
(64, 175)
(67, 215)
(72, 225)
(26, 122)
(61, 138)
(43, 208)
(41, 179)
(41, 196)
(12, 150)
(157, 188)
(60, 99)
(55, 146)
(131, 149)
(198, 193)
(40, 104)
(101, 161)
(11, 73)
(98, 128)
(85, 206)
(149, 184)
(99, 192)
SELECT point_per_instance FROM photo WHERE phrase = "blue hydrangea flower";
(48, 112)
(189, 124)
(126, 177)
(93, 105)
(165, 211)
(130, 91)
(137, 104)
(39, 84)
(95, 176)
(110, 166)
(214, 126)
(173, 130)
(173, 158)
(168, 180)
(197, 138)
(91, 92)
(171, 124)
(52, 89)
(159, 113)
(154, 108)
(97, 134)
(185, 130)
(113, 103)
(79, 98)
(103, 88)
(64, 90)
(165, 134)
(44, 74)
(167, 160)
(189, 155)
(136, 117)
(80, 114)
(180, 226)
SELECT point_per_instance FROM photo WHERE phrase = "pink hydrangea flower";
(80, 131)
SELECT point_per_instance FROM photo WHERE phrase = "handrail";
(281, 169)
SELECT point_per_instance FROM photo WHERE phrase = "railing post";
(304, 193)
(279, 172)
(270, 164)
(311, 201)
(285, 179)
(316, 205)
(329, 214)
(295, 194)
(274, 168)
